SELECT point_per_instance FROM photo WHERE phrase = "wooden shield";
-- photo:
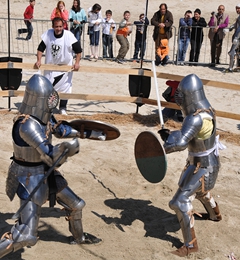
(110, 131)
(150, 157)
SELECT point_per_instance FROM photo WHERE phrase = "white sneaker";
(63, 112)
(98, 135)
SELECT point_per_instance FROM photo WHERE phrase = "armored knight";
(33, 155)
(198, 134)
(234, 51)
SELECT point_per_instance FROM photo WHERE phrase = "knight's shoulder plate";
(32, 131)
(29, 125)
(193, 120)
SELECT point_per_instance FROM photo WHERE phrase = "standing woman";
(77, 17)
(62, 12)
(94, 23)
(198, 23)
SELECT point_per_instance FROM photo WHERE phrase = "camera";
(212, 13)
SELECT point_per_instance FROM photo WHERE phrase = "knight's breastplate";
(199, 146)
(26, 153)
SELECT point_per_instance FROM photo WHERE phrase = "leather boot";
(185, 250)
(217, 212)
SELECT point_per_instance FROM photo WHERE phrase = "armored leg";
(232, 52)
(182, 205)
(210, 205)
(73, 206)
(237, 57)
(24, 232)
(184, 251)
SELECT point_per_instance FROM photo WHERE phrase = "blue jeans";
(107, 41)
(94, 38)
(29, 29)
(182, 48)
(77, 33)
(138, 48)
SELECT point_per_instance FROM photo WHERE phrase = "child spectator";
(77, 17)
(140, 40)
(122, 33)
(60, 11)
(94, 24)
(28, 16)
(162, 53)
(108, 27)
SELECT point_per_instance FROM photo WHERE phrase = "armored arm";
(63, 129)
(33, 133)
(178, 140)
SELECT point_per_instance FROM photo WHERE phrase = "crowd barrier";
(19, 46)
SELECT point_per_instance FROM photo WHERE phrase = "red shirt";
(28, 14)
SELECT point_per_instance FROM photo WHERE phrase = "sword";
(158, 100)
(17, 214)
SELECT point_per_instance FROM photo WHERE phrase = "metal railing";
(19, 46)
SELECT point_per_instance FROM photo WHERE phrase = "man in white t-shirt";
(59, 45)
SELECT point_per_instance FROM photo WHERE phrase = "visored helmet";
(190, 95)
(39, 99)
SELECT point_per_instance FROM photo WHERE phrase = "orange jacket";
(163, 49)
(123, 31)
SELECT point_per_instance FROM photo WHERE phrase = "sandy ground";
(128, 213)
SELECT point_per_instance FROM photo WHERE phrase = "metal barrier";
(18, 44)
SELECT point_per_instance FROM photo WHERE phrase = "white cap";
(238, 5)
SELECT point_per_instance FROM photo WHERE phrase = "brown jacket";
(168, 21)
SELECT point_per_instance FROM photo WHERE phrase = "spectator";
(235, 41)
(162, 53)
(218, 22)
(62, 12)
(184, 36)
(198, 23)
(94, 23)
(162, 21)
(59, 45)
(108, 27)
(122, 33)
(140, 39)
(28, 16)
(77, 17)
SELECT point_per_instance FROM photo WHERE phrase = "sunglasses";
(221, 9)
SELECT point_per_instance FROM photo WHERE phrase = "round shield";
(150, 157)
(110, 131)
